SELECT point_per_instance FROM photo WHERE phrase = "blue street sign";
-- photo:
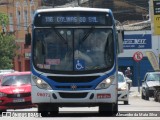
(137, 41)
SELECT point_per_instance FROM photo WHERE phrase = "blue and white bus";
(74, 59)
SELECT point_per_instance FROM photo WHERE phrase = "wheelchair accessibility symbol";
(79, 64)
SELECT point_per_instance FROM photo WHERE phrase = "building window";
(32, 9)
(18, 20)
(25, 19)
(3, 28)
(32, 14)
(11, 22)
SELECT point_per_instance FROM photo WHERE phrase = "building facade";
(141, 41)
(20, 13)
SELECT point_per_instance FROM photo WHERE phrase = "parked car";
(15, 91)
(123, 91)
(151, 79)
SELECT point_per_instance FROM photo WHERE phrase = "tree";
(7, 44)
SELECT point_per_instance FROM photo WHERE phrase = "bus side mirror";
(120, 39)
(28, 39)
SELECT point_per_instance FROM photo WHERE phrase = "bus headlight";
(105, 83)
(41, 83)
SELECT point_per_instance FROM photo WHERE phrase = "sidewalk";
(134, 92)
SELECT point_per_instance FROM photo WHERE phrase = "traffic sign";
(138, 56)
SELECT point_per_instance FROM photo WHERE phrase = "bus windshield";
(73, 49)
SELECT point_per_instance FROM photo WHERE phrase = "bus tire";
(48, 110)
(115, 110)
(106, 109)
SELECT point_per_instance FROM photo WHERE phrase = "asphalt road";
(137, 109)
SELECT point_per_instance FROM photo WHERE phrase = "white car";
(123, 91)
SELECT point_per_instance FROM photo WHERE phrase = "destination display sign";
(65, 18)
(72, 20)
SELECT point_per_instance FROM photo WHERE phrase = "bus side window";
(109, 50)
(120, 39)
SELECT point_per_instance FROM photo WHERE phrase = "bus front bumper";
(108, 95)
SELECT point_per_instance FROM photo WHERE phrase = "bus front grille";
(77, 87)
(78, 79)
(73, 95)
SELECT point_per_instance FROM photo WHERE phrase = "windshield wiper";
(86, 35)
(63, 39)
(60, 36)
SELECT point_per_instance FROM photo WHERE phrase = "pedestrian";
(128, 72)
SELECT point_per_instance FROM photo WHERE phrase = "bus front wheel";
(107, 109)
(48, 110)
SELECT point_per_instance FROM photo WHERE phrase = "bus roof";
(74, 9)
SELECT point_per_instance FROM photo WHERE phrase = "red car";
(15, 91)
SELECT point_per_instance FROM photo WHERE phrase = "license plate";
(18, 100)
(102, 96)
